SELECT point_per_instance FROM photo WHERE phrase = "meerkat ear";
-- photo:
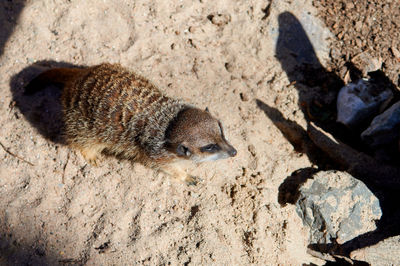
(207, 110)
(183, 150)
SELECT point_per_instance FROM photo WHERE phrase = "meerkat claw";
(91, 156)
(94, 162)
(193, 180)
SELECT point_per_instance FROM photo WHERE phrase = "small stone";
(229, 67)
(252, 150)
(219, 19)
(337, 206)
(359, 42)
(360, 101)
(244, 97)
(385, 128)
(349, 5)
(358, 26)
(366, 63)
(395, 52)
(253, 164)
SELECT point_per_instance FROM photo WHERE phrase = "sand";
(57, 209)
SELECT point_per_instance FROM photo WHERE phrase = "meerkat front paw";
(95, 162)
(91, 159)
(176, 172)
(92, 155)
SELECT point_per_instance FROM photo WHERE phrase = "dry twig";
(14, 155)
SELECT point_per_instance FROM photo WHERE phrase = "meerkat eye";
(210, 148)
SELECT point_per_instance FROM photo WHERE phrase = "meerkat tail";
(57, 76)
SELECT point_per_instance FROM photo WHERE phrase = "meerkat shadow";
(43, 108)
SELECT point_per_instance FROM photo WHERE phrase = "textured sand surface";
(215, 54)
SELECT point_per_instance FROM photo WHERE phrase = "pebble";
(360, 101)
(244, 97)
(385, 128)
(366, 63)
(219, 19)
(335, 205)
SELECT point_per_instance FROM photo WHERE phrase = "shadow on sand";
(43, 111)
(9, 14)
(12, 252)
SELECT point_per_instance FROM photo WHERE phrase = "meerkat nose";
(232, 152)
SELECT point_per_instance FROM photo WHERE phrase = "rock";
(252, 149)
(219, 19)
(335, 205)
(244, 97)
(385, 128)
(386, 252)
(360, 101)
(395, 52)
(366, 63)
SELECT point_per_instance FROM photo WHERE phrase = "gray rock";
(366, 63)
(335, 205)
(386, 252)
(360, 101)
(385, 128)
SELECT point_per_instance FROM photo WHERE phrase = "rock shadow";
(318, 89)
(289, 190)
(12, 252)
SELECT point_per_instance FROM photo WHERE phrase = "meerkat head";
(196, 135)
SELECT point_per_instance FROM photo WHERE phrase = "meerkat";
(107, 108)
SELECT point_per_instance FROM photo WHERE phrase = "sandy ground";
(215, 54)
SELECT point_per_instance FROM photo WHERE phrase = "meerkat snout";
(198, 136)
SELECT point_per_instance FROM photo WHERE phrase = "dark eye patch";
(210, 148)
(221, 129)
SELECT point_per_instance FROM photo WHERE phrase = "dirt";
(370, 28)
(57, 209)
(366, 45)
(237, 59)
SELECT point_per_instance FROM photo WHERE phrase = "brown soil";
(229, 56)
(366, 45)
(57, 209)
(366, 39)
(372, 27)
